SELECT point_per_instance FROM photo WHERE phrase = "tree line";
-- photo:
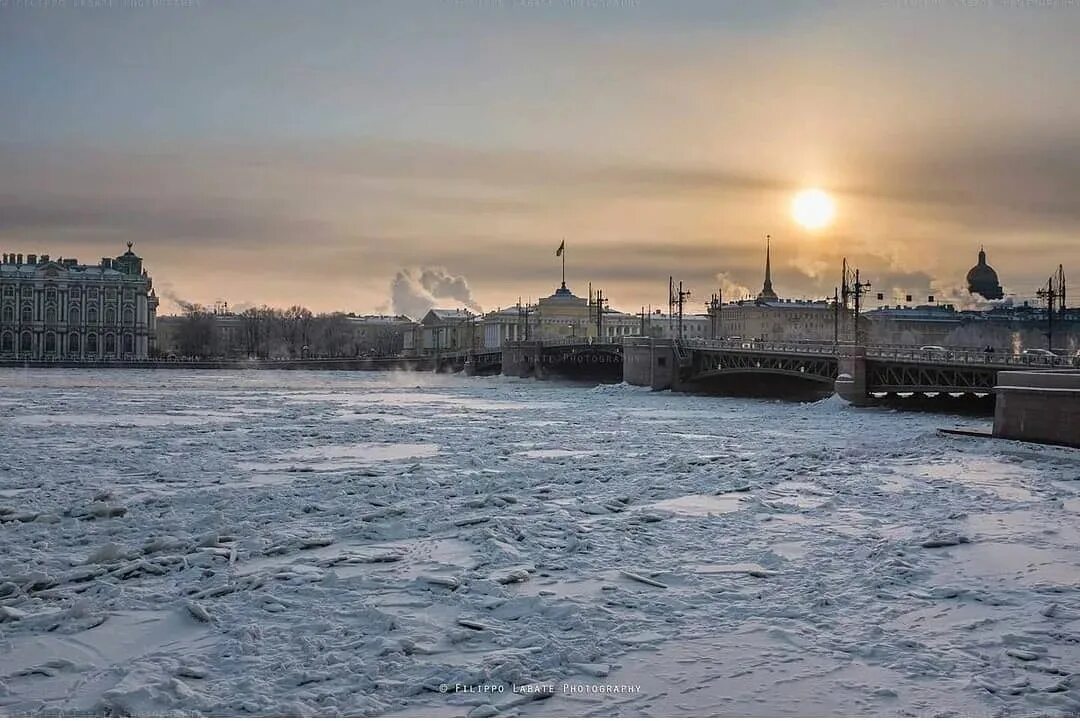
(265, 332)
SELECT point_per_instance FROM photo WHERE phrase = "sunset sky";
(314, 152)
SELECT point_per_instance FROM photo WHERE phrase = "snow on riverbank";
(399, 544)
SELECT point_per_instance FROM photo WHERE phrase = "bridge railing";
(892, 352)
(971, 357)
(801, 348)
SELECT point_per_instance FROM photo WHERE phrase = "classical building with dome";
(564, 315)
(983, 280)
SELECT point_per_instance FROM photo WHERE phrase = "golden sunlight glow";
(813, 209)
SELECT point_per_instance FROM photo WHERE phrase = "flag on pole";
(562, 247)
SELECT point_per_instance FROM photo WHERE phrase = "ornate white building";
(61, 310)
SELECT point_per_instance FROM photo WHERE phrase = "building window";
(27, 314)
(9, 314)
(7, 345)
(73, 343)
(73, 315)
(50, 295)
(129, 344)
(91, 315)
(110, 315)
(110, 344)
(50, 314)
(50, 342)
(129, 316)
(27, 342)
(91, 344)
(9, 291)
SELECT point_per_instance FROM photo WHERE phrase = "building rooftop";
(380, 318)
(563, 295)
(126, 264)
(779, 303)
(450, 314)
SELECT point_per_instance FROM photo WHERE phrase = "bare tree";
(296, 329)
(196, 334)
(331, 333)
(257, 324)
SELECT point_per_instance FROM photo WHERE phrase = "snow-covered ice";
(412, 544)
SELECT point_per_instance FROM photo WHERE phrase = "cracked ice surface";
(347, 543)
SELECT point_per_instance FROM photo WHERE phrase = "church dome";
(983, 280)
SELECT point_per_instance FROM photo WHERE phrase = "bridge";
(566, 359)
(860, 374)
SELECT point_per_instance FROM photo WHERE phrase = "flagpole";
(564, 262)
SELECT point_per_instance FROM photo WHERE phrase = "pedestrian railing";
(892, 352)
(801, 348)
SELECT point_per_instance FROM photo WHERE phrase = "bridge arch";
(803, 374)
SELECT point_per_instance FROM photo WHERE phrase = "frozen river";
(347, 543)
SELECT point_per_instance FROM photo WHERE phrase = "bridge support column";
(649, 362)
(522, 359)
(851, 376)
(534, 361)
(512, 358)
(1038, 407)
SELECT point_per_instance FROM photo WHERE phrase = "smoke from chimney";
(731, 289)
(415, 291)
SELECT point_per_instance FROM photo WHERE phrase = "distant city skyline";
(336, 154)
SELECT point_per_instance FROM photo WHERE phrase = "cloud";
(415, 291)
(1016, 180)
(299, 221)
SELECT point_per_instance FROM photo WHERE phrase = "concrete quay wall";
(349, 364)
(1039, 407)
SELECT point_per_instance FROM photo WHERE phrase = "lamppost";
(459, 341)
(854, 288)
(714, 307)
(600, 300)
(836, 317)
(1054, 293)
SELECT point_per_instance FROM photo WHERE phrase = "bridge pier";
(851, 377)
(1038, 407)
(520, 358)
(650, 362)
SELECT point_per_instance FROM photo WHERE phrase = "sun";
(813, 209)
